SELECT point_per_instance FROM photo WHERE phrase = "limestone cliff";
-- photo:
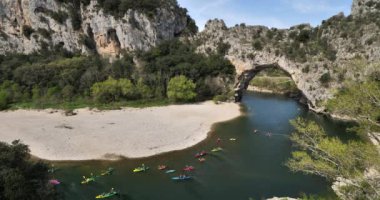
(363, 7)
(30, 25)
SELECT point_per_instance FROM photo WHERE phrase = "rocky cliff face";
(30, 25)
(314, 57)
(363, 7)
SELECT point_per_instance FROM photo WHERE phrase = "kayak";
(161, 167)
(140, 169)
(188, 168)
(88, 180)
(54, 182)
(52, 169)
(201, 154)
(202, 159)
(109, 171)
(217, 149)
(169, 171)
(106, 195)
(182, 178)
(232, 139)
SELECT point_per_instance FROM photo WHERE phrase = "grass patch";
(88, 103)
(284, 85)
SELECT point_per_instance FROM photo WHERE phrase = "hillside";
(317, 58)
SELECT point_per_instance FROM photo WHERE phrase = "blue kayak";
(170, 171)
(182, 178)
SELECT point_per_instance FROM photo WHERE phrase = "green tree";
(113, 90)
(68, 92)
(181, 89)
(331, 158)
(360, 101)
(143, 90)
(21, 178)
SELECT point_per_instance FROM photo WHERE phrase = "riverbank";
(105, 135)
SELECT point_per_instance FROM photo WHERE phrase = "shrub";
(325, 78)
(27, 31)
(60, 16)
(112, 90)
(3, 100)
(257, 46)
(181, 89)
(68, 92)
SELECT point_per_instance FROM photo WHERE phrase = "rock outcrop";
(315, 58)
(27, 26)
(363, 7)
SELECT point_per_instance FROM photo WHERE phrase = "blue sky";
(272, 13)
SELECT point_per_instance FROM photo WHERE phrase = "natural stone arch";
(244, 78)
(248, 59)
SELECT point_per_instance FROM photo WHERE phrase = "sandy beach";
(129, 132)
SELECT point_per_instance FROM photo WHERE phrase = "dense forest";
(60, 79)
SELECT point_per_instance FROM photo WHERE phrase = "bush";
(257, 46)
(112, 90)
(325, 78)
(68, 92)
(3, 100)
(181, 89)
(27, 31)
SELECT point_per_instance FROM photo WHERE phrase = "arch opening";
(271, 78)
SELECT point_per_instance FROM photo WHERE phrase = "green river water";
(250, 167)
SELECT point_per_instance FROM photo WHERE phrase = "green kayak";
(106, 195)
(109, 171)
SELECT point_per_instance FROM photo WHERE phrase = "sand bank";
(129, 132)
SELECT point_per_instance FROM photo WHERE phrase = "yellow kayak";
(217, 149)
(140, 169)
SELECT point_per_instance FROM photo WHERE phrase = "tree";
(181, 89)
(113, 90)
(331, 158)
(68, 92)
(360, 101)
(21, 178)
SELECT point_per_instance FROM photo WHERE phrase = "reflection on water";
(251, 166)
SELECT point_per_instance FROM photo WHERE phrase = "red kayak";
(188, 168)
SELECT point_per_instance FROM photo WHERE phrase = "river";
(250, 167)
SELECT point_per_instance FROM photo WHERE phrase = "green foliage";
(20, 178)
(181, 89)
(325, 78)
(56, 77)
(119, 7)
(27, 31)
(283, 85)
(173, 58)
(331, 158)
(59, 16)
(113, 90)
(360, 101)
(4, 100)
(45, 33)
(68, 92)
(257, 45)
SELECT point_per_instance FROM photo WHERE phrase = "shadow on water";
(251, 166)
